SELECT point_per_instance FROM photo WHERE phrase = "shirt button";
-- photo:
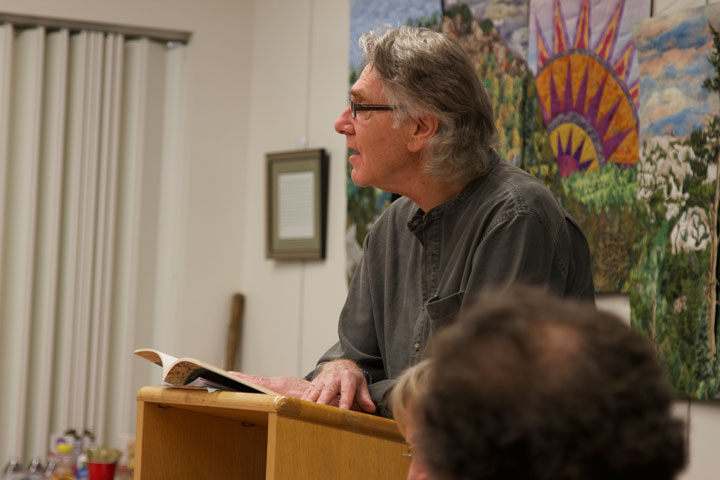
(416, 346)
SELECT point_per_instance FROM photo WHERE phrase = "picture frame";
(297, 185)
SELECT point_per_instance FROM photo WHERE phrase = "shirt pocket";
(444, 311)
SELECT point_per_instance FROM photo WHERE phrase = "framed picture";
(297, 204)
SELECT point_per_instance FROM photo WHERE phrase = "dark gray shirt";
(418, 269)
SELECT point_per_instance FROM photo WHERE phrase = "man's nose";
(344, 124)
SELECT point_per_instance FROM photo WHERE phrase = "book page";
(190, 371)
(158, 358)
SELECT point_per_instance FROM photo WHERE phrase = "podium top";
(254, 409)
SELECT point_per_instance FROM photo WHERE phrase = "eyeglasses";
(410, 454)
(366, 107)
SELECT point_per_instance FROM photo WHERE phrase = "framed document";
(296, 204)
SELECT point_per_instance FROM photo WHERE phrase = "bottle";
(12, 470)
(81, 467)
(64, 463)
(75, 440)
(50, 469)
(35, 470)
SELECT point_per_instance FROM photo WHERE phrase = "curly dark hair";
(527, 386)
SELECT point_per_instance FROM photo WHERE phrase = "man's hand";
(344, 378)
(288, 386)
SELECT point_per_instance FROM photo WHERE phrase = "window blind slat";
(170, 199)
(63, 374)
(46, 253)
(19, 240)
(86, 227)
(113, 99)
(6, 42)
(126, 252)
(97, 318)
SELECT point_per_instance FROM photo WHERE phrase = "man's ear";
(425, 128)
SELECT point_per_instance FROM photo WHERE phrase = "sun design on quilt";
(589, 100)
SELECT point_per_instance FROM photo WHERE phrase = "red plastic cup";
(101, 470)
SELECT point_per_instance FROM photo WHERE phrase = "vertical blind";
(89, 148)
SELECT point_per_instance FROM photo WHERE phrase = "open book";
(195, 373)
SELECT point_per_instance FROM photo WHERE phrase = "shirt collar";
(420, 217)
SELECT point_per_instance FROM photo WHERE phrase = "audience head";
(404, 397)
(528, 386)
(426, 72)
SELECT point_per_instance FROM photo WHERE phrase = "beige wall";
(298, 87)
(263, 76)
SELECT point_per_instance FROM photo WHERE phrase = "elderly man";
(420, 124)
(528, 386)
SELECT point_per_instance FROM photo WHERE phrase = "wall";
(292, 307)
(268, 76)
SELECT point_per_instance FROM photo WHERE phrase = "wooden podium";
(193, 434)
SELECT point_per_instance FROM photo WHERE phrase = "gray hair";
(423, 71)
